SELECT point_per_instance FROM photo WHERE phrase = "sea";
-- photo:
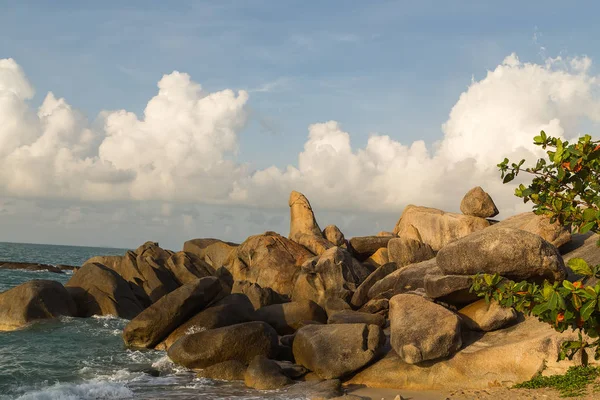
(85, 358)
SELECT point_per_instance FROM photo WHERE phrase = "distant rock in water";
(58, 269)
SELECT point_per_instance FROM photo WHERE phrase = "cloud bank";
(183, 149)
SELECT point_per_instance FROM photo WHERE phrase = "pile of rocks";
(392, 309)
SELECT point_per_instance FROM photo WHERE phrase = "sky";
(122, 122)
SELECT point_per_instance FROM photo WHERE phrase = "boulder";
(501, 358)
(421, 330)
(582, 246)
(334, 235)
(112, 262)
(376, 306)
(269, 260)
(292, 370)
(333, 351)
(286, 318)
(481, 316)
(213, 251)
(232, 309)
(241, 342)
(157, 321)
(303, 225)
(410, 232)
(188, 267)
(151, 261)
(232, 370)
(403, 280)
(334, 274)
(451, 289)
(315, 389)
(436, 227)
(379, 258)
(334, 304)
(538, 224)
(512, 253)
(33, 301)
(478, 204)
(365, 246)
(361, 295)
(98, 290)
(356, 317)
(259, 296)
(265, 374)
(404, 251)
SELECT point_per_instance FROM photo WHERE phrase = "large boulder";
(483, 316)
(334, 274)
(188, 267)
(451, 289)
(509, 252)
(365, 246)
(361, 295)
(161, 318)
(407, 279)
(286, 318)
(112, 262)
(259, 296)
(32, 301)
(265, 374)
(334, 235)
(230, 310)
(436, 227)
(478, 204)
(404, 251)
(232, 370)
(303, 225)
(379, 258)
(333, 351)
(503, 357)
(98, 290)
(270, 260)
(215, 252)
(241, 342)
(421, 330)
(538, 224)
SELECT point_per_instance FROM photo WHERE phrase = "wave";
(81, 391)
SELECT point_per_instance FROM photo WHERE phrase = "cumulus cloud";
(183, 148)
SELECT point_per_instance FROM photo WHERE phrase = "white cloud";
(184, 147)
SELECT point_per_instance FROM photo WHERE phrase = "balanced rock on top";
(478, 204)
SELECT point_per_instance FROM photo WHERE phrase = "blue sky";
(380, 67)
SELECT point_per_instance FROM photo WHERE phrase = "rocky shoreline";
(315, 313)
(57, 269)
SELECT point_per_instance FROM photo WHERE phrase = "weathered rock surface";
(481, 316)
(582, 246)
(403, 280)
(356, 317)
(421, 330)
(451, 289)
(334, 351)
(334, 235)
(316, 389)
(303, 225)
(334, 274)
(376, 306)
(157, 321)
(286, 318)
(335, 304)
(213, 251)
(404, 251)
(478, 204)
(503, 357)
(265, 374)
(361, 295)
(270, 260)
(365, 246)
(512, 253)
(232, 370)
(436, 227)
(259, 296)
(379, 258)
(188, 267)
(241, 342)
(231, 310)
(538, 224)
(98, 290)
(32, 301)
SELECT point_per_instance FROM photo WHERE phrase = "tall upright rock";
(304, 228)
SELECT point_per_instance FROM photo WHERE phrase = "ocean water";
(77, 358)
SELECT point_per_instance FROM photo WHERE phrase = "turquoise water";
(76, 358)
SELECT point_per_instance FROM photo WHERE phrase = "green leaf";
(587, 227)
(568, 285)
(587, 309)
(589, 214)
(579, 266)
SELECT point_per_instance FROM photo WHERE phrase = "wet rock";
(265, 374)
